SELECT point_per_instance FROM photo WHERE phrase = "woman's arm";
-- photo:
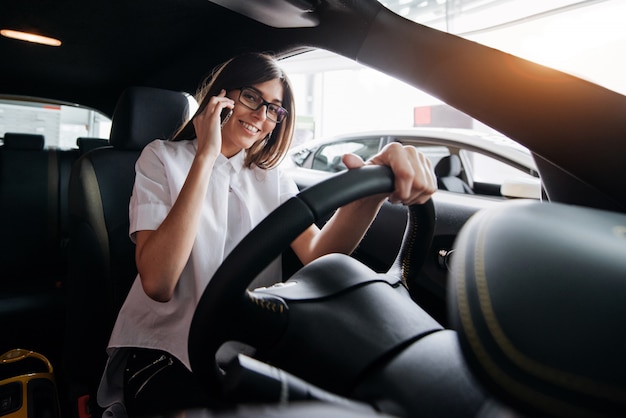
(415, 182)
(162, 254)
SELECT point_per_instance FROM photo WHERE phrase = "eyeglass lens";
(253, 100)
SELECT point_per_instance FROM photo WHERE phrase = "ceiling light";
(30, 37)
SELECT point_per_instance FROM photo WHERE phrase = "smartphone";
(226, 114)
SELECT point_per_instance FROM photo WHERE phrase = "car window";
(333, 96)
(547, 32)
(433, 152)
(484, 169)
(61, 125)
(328, 157)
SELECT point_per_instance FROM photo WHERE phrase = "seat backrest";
(33, 243)
(101, 263)
(86, 143)
(29, 181)
(448, 171)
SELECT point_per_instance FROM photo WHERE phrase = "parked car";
(466, 161)
(467, 305)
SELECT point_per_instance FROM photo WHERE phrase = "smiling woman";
(68, 259)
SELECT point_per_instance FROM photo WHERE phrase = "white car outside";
(492, 164)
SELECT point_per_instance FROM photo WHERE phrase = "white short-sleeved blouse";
(237, 199)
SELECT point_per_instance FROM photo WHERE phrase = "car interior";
(448, 172)
(463, 306)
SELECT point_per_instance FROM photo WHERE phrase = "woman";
(195, 197)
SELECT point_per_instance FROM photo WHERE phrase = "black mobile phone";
(226, 114)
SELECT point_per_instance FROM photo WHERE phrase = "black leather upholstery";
(33, 243)
(102, 265)
(23, 141)
(28, 212)
(33, 213)
(86, 143)
(448, 171)
(538, 299)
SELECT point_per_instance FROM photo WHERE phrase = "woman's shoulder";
(165, 148)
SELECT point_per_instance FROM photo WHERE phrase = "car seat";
(101, 262)
(448, 170)
(29, 213)
(33, 232)
(86, 144)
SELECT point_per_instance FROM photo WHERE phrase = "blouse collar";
(236, 161)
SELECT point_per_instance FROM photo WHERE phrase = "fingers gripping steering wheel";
(222, 314)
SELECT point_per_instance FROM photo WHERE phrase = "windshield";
(337, 95)
(584, 38)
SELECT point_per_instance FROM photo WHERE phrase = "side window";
(484, 169)
(433, 152)
(300, 157)
(328, 156)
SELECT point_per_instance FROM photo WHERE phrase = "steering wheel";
(223, 312)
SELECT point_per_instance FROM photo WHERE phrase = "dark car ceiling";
(576, 129)
(109, 45)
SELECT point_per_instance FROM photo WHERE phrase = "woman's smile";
(253, 129)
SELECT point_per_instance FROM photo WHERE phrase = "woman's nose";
(261, 112)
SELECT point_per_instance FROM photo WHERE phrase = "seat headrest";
(143, 114)
(23, 141)
(537, 295)
(449, 166)
(85, 143)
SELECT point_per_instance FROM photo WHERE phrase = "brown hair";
(247, 70)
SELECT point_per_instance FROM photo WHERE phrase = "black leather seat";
(32, 243)
(29, 181)
(102, 264)
(86, 143)
(448, 170)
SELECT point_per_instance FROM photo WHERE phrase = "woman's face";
(247, 126)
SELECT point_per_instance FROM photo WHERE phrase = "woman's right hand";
(207, 124)
(161, 254)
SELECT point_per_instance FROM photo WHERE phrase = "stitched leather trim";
(534, 368)
(268, 303)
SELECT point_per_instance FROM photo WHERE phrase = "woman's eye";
(252, 98)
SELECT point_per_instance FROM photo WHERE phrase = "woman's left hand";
(415, 179)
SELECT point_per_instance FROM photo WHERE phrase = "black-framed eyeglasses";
(253, 100)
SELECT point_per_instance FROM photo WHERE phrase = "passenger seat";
(448, 172)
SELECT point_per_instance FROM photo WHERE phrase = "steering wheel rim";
(219, 311)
